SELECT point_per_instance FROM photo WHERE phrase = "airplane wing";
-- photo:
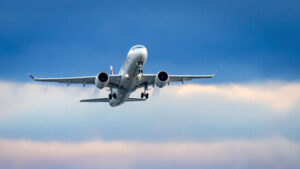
(107, 100)
(180, 78)
(113, 80)
(149, 79)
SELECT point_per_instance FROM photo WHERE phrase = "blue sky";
(242, 40)
(245, 117)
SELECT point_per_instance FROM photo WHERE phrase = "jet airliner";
(129, 78)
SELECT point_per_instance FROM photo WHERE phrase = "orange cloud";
(278, 97)
(274, 153)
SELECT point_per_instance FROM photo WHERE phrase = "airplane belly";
(122, 95)
(129, 79)
(128, 84)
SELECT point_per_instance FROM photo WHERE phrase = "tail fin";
(111, 70)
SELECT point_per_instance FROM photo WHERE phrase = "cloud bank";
(202, 112)
(270, 153)
(280, 97)
(189, 126)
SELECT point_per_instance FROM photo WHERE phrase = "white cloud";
(20, 97)
(267, 153)
(278, 97)
(180, 113)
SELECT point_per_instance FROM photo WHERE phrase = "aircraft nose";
(140, 52)
(143, 53)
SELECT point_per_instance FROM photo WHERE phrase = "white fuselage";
(130, 71)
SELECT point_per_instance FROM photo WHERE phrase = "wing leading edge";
(178, 78)
(113, 79)
(84, 79)
(150, 78)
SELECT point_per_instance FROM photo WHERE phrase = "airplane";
(130, 78)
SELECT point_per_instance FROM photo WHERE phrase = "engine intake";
(161, 79)
(103, 77)
(102, 80)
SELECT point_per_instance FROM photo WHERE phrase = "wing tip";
(32, 77)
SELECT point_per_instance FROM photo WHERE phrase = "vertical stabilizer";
(111, 70)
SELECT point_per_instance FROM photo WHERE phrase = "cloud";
(267, 153)
(189, 126)
(39, 111)
(278, 97)
(19, 97)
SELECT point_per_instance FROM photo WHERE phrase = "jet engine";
(161, 79)
(102, 80)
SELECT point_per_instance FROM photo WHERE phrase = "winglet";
(31, 76)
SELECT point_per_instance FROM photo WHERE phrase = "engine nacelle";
(161, 79)
(101, 80)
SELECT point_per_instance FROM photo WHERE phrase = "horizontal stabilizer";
(135, 100)
(95, 100)
(107, 100)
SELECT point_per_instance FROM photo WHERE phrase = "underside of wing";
(149, 79)
(83, 80)
(177, 78)
(114, 80)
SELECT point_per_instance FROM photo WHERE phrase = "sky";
(247, 116)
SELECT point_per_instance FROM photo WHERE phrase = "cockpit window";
(137, 47)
